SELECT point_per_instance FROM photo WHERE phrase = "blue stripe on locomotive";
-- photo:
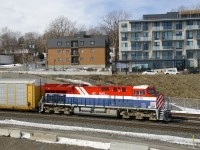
(62, 99)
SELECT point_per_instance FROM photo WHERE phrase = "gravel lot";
(8, 143)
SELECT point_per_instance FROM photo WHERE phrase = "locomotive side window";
(105, 89)
(142, 92)
(114, 89)
(123, 89)
(139, 92)
(136, 92)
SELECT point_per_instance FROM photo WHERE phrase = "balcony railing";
(191, 46)
(159, 28)
(178, 38)
(125, 48)
(125, 29)
(168, 48)
(136, 29)
(157, 48)
(75, 54)
(75, 62)
(192, 27)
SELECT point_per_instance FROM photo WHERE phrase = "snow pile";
(165, 138)
(98, 145)
(11, 65)
(186, 110)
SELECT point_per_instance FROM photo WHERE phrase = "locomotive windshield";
(151, 91)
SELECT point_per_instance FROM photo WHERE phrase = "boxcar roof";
(22, 81)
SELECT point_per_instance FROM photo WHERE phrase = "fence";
(185, 103)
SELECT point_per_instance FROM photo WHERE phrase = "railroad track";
(189, 127)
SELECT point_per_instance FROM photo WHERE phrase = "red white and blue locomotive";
(140, 102)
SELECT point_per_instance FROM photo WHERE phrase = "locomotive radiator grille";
(160, 102)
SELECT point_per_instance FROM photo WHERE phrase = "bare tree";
(9, 40)
(96, 30)
(61, 26)
(110, 26)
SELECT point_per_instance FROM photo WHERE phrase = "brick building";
(78, 51)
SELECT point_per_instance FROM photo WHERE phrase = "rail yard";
(181, 125)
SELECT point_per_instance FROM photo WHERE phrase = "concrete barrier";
(4, 132)
(39, 136)
(127, 146)
(15, 133)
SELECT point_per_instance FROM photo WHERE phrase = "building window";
(59, 59)
(135, 36)
(81, 51)
(189, 34)
(179, 25)
(167, 25)
(81, 58)
(179, 54)
(68, 43)
(91, 51)
(81, 43)
(156, 35)
(67, 51)
(124, 25)
(167, 55)
(156, 24)
(91, 58)
(190, 54)
(146, 55)
(189, 22)
(59, 43)
(59, 51)
(146, 46)
(179, 45)
(136, 46)
(145, 26)
(67, 59)
(92, 42)
(156, 43)
(124, 36)
(136, 55)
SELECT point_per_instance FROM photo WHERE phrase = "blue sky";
(35, 15)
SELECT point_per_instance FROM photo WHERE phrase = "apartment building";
(160, 41)
(78, 51)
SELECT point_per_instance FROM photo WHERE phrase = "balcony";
(145, 38)
(178, 38)
(74, 53)
(75, 62)
(125, 48)
(125, 29)
(192, 27)
(157, 48)
(159, 28)
(135, 29)
(168, 48)
(191, 46)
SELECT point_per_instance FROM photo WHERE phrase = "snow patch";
(75, 81)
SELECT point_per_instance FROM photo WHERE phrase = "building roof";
(100, 41)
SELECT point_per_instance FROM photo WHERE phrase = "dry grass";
(184, 86)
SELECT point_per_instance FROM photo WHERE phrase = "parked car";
(149, 72)
(171, 72)
(193, 71)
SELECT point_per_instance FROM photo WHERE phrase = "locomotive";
(139, 102)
